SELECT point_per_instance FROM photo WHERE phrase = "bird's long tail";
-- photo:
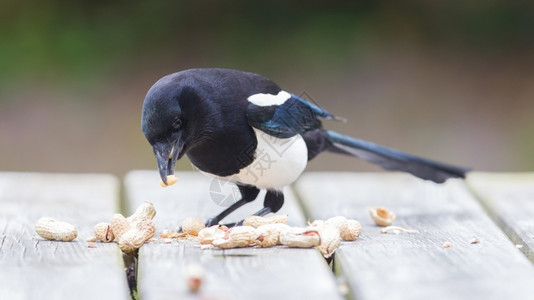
(392, 159)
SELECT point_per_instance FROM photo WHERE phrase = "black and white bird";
(243, 127)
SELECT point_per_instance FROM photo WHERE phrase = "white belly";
(278, 162)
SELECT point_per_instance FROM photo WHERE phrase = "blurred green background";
(448, 80)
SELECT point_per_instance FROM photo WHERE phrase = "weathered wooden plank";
(509, 199)
(229, 274)
(418, 266)
(34, 268)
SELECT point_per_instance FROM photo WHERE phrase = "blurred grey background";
(448, 80)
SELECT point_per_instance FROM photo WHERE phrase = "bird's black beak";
(166, 155)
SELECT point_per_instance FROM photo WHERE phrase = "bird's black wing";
(292, 117)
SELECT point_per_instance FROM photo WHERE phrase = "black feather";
(294, 116)
(391, 159)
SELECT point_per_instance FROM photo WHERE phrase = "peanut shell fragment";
(207, 235)
(382, 216)
(397, 229)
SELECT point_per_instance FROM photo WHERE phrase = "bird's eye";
(177, 123)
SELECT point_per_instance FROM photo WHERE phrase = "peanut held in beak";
(171, 179)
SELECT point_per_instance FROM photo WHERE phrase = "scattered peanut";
(241, 236)
(52, 229)
(192, 226)
(103, 232)
(349, 230)
(269, 235)
(257, 221)
(354, 229)
(194, 275)
(91, 239)
(330, 239)
(144, 211)
(325, 235)
(339, 222)
(167, 234)
(446, 245)
(134, 238)
(119, 225)
(316, 223)
(207, 235)
(171, 179)
(382, 216)
(130, 232)
(300, 237)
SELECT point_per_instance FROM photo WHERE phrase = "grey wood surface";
(249, 273)
(34, 268)
(417, 265)
(509, 199)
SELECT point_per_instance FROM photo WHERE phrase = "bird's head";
(164, 123)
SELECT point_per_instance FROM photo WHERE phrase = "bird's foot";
(212, 221)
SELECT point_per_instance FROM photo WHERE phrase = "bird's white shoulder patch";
(268, 99)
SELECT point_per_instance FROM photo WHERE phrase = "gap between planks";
(509, 200)
(31, 267)
(417, 266)
(245, 273)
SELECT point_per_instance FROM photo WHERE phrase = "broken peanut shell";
(207, 235)
(241, 236)
(300, 237)
(382, 216)
(269, 235)
(330, 239)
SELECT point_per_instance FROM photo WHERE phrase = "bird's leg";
(272, 203)
(248, 194)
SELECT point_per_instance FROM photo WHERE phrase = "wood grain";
(509, 199)
(34, 268)
(417, 265)
(229, 274)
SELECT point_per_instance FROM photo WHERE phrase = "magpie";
(243, 127)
